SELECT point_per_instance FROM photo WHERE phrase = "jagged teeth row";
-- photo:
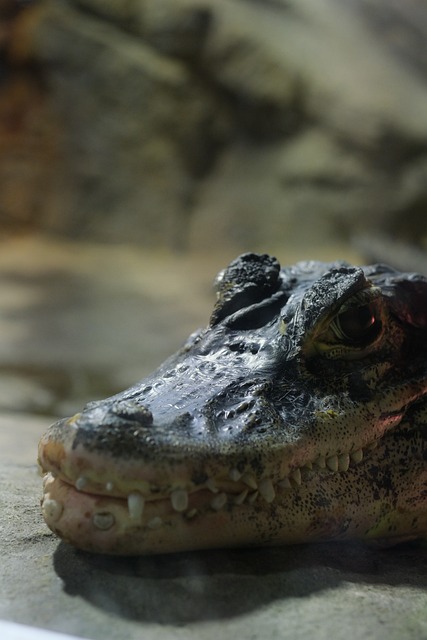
(180, 498)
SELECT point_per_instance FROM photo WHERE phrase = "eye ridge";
(358, 324)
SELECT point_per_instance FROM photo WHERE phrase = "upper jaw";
(126, 455)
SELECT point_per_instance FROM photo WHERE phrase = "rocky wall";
(243, 123)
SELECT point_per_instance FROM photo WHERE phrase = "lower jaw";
(103, 524)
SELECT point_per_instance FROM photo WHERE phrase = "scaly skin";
(299, 414)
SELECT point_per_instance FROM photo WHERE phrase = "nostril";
(129, 410)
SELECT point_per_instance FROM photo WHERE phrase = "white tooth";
(284, 484)
(109, 486)
(252, 497)
(179, 499)
(296, 476)
(266, 489)
(155, 523)
(357, 456)
(46, 479)
(250, 480)
(235, 475)
(210, 483)
(344, 462)
(239, 499)
(321, 462)
(81, 482)
(219, 501)
(136, 505)
(332, 463)
(191, 514)
(103, 521)
(52, 509)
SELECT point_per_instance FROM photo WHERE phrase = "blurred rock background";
(144, 143)
(199, 123)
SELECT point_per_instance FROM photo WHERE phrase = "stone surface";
(200, 121)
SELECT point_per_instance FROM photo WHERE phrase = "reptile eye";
(358, 324)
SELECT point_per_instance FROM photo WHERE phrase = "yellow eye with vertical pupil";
(358, 324)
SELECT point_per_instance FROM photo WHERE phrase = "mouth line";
(215, 495)
(133, 510)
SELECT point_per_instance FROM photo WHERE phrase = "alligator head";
(298, 414)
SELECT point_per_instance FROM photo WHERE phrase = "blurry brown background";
(143, 145)
(204, 124)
